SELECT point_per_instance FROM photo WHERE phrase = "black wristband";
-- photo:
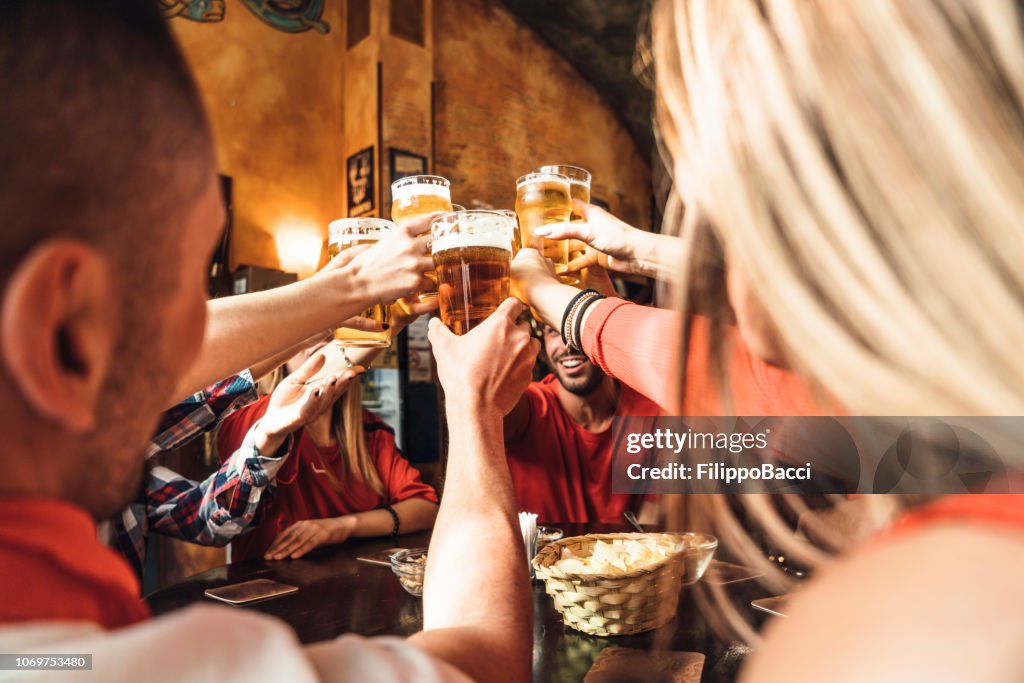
(577, 328)
(394, 516)
(566, 333)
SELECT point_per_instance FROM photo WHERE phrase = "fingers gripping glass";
(416, 196)
(345, 234)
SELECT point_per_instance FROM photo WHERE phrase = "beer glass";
(418, 195)
(516, 237)
(579, 188)
(543, 198)
(350, 232)
(472, 254)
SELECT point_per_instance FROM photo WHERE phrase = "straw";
(528, 526)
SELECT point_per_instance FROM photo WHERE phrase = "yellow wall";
(507, 103)
(274, 100)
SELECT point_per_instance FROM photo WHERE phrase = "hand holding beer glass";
(541, 199)
(416, 196)
(472, 254)
(579, 188)
(344, 234)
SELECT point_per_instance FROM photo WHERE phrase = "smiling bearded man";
(558, 440)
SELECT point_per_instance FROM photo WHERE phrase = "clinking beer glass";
(541, 199)
(418, 195)
(472, 256)
(346, 233)
(579, 188)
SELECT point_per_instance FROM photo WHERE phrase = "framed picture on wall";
(359, 178)
(405, 164)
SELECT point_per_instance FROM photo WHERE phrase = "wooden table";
(338, 594)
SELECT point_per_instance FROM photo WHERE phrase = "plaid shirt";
(210, 512)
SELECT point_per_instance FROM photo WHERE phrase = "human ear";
(57, 330)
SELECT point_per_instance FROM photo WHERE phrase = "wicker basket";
(613, 604)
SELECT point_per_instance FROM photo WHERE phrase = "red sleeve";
(401, 480)
(640, 345)
(236, 425)
(637, 345)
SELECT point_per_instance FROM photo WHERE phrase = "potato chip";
(616, 557)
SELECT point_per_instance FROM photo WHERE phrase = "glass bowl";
(700, 548)
(408, 566)
(547, 534)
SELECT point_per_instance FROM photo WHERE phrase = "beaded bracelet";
(577, 329)
(394, 516)
(569, 317)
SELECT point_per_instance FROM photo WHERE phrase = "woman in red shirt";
(345, 477)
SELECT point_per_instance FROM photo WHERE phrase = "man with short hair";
(559, 436)
(111, 210)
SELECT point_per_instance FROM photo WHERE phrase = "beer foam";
(497, 239)
(542, 177)
(421, 189)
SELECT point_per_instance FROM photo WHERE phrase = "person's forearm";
(477, 542)
(414, 514)
(549, 298)
(243, 330)
(265, 367)
(658, 256)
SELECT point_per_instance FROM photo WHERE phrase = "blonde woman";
(861, 166)
(345, 476)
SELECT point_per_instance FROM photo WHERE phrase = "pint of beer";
(543, 198)
(579, 188)
(517, 238)
(350, 232)
(418, 195)
(472, 254)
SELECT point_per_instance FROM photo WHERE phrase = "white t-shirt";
(219, 645)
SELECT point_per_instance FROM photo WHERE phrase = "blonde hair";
(357, 464)
(347, 426)
(862, 163)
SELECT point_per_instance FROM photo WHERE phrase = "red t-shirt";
(561, 471)
(303, 490)
(52, 568)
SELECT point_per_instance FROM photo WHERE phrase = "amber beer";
(579, 188)
(472, 254)
(418, 195)
(517, 239)
(345, 234)
(543, 198)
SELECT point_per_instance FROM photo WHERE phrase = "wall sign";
(405, 164)
(290, 16)
(359, 177)
(196, 10)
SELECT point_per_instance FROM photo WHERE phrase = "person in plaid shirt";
(210, 512)
(228, 502)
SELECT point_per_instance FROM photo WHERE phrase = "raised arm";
(619, 246)
(246, 329)
(476, 539)
(637, 345)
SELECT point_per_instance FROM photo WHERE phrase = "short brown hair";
(101, 127)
